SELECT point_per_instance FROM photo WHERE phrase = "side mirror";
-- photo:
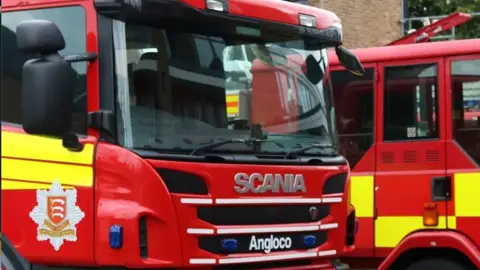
(313, 71)
(48, 81)
(349, 61)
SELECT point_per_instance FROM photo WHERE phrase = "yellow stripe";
(232, 110)
(45, 172)
(42, 148)
(232, 98)
(362, 195)
(467, 201)
(389, 231)
(17, 185)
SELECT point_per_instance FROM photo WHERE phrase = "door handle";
(441, 188)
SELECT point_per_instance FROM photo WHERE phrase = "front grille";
(261, 215)
(213, 243)
(351, 230)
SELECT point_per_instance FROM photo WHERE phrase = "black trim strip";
(248, 158)
(106, 70)
(11, 259)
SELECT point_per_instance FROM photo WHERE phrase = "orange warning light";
(430, 214)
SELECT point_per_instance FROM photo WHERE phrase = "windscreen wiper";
(306, 148)
(211, 146)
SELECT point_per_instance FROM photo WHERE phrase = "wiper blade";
(211, 146)
(306, 148)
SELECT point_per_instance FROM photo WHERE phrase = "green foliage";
(423, 8)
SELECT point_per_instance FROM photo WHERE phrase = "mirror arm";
(101, 120)
(71, 142)
(83, 57)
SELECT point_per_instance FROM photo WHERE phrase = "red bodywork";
(401, 188)
(127, 187)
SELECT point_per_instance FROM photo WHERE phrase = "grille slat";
(261, 215)
(388, 157)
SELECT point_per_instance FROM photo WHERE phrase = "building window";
(71, 22)
(411, 102)
(354, 103)
(466, 106)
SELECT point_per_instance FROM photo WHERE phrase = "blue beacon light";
(309, 241)
(229, 245)
(116, 236)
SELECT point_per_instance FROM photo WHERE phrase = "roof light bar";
(217, 5)
(307, 20)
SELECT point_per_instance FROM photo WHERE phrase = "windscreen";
(177, 91)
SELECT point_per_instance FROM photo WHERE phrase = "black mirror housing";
(39, 36)
(349, 61)
(48, 81)
(313, 72)
(47, 96)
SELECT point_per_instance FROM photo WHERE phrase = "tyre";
(437, 264)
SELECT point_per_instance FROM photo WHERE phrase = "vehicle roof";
(411, 51)
(270, 10)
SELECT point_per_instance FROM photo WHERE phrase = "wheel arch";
(417, 254)
(432, 243)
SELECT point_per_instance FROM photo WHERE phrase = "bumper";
(317, 265)
(323, 265)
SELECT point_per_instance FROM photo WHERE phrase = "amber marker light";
(430, 214)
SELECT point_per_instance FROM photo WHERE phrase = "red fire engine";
(117, 151)
(410, 129)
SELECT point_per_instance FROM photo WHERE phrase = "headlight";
(217, 5)
(307, 20)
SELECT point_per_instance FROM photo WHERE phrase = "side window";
(354, 105)
(466, 106)
(71, 22)
(410, 103)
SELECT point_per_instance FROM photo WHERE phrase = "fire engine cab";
(410, 129)
(117, 151)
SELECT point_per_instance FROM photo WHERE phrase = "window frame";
(440, 91)
(90, 25)
(375, 85)
(449, 100)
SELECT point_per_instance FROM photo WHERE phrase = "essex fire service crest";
(56, 215)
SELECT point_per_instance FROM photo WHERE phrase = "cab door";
(462, 75)
(410, 177)
(355, 101)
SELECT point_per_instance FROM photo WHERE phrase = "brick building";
(366, 23)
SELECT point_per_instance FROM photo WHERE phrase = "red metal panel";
(22, 231)
(469, 226)
(364, 240)
(403, 193)
(127, 187)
